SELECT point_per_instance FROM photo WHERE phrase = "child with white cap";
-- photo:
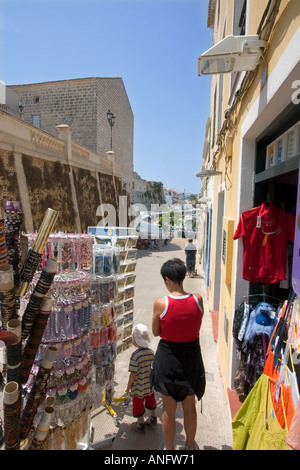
(139, 379)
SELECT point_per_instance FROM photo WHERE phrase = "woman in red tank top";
(178, 371)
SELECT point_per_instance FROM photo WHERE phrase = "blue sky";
(152, 44)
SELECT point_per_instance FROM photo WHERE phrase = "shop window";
(284, 147)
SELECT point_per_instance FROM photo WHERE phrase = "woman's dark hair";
(173, 269)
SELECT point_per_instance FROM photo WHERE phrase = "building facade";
(146, 192)
(82, 104)
(253, 143)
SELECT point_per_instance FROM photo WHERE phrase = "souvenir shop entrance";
(276, 183)
(266, 324)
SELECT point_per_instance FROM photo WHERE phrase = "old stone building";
(82, 104)
(43, 171)
(146, 192)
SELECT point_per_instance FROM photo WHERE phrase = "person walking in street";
(139, 386)
(190, 253)
(178, 370)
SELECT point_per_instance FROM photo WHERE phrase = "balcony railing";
(19, 136)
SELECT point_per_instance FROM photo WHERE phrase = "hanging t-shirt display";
(266, 231)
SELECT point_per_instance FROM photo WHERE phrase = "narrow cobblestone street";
(214, 422)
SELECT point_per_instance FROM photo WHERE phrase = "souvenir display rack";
(65, 315)
(103, 325)
(18, 411)
(119, 244)
(82, 324)
(47, 386)
(71, 390)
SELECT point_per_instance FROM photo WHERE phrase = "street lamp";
(208, 172)
(111, 120)
(232, 54)
(21, 107)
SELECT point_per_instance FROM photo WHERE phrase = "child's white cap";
(141, 335)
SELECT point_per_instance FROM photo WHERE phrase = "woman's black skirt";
(179, 364)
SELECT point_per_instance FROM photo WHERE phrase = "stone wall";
(75, 192)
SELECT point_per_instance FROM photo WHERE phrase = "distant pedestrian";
(190, 253)
(178, 371)
(139, 386)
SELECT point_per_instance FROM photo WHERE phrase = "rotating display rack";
(118, 245)
(46, 389)
(18, 412)
(69, 390)
(113, 279)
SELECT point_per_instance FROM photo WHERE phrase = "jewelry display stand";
(65, 316)
(17, 358)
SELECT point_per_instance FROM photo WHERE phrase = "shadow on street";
(169, 247)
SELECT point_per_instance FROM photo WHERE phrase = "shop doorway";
(276, 181)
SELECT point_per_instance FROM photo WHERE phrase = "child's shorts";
(139, 404)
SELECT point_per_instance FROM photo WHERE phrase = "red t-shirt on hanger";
(266, 230)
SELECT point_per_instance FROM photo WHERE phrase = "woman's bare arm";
(158, 308)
